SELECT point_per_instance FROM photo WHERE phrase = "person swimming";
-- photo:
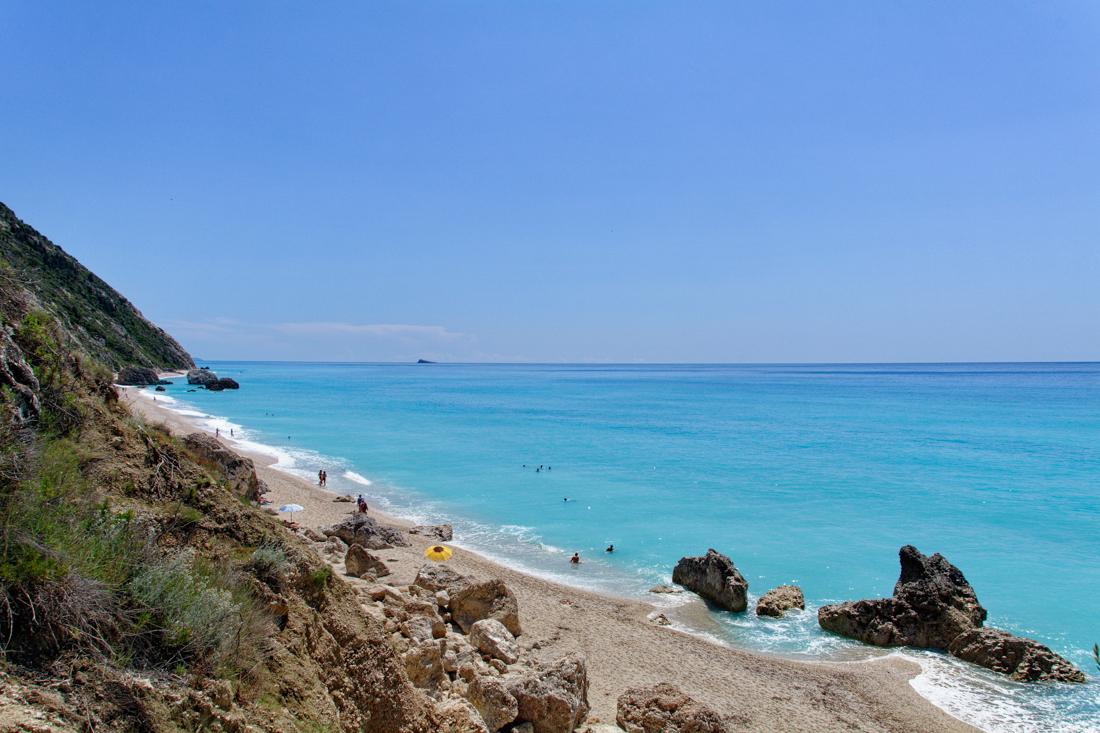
(576, 559)
(610, 548)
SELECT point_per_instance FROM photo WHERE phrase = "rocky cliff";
(95, 317)
(140, 588)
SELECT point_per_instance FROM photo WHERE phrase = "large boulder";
(714, 577)
(779, 600)
(424, 664)
(135, 376)
(553, 697)
(201, 376)
(359, 562)
(663, 708)
(490, 636)
(485, 599)
(238, 470)
(439, 577)
(492, 700)
(932, 604)
(217, 385)
(363, 529)
(1021, 659)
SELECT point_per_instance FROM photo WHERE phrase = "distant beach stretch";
(791, 479)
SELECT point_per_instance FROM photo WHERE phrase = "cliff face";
(140, 589)
(95, 316)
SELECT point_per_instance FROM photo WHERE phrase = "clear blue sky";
(563, 181)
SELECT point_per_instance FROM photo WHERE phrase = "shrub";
(269, 561)
(320, 577)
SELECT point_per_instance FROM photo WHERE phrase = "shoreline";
(624, 647)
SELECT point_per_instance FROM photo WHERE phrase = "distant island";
(424, 361)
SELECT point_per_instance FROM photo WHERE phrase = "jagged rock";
(715, 578)
(161, 389)
(215, 386)
(490, 637)
(660, 619)
(335, 546)
(459, 716)
(240, 471)
(343, 499)
(932, 604)
(363, 529)
(553, 697)
(227, 383)
(441, 532)
(313, 535)
(485, 599)
(424, 664)
(663, 708)
(359, 562)
(438, 577)
(1020, 658)
(201, 376)
(136, 376)
(779, 600)
(490, 696)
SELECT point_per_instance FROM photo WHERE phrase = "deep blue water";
(814, 474)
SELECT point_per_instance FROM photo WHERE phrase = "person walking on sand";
(576, 559)
(362, 503)
(324, 478)
(321, 477)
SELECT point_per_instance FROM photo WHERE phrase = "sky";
(624, 181)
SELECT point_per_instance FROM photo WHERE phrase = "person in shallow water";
(576, 559)
(610, 548)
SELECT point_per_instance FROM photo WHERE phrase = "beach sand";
(624, 648)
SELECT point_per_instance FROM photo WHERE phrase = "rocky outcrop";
(360, 562)
(363, 529)
(217, 385)
(714, 577)
(663, 708)
(238, 470)
(18, 377)
(201, 376)
(485, 599)
(779, 600)
(1020, 658)
(459, 716)
(491, 637)
(441, 532)
(553, 697)
(93, 316)
(932, 604)
(135, 376)
(492, 700)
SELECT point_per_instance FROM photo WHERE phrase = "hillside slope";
(95, 316)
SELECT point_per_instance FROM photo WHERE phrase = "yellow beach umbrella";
(439, 553)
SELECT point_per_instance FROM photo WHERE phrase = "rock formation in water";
(779, 600)
(1020, 658)
(714, 577)
(201, 376)
(933, 606)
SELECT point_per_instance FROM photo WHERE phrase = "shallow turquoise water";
(807, 474)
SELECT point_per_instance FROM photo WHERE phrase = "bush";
(269, 561)
(196, 617)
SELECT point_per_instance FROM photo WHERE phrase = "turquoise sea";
(812, 474)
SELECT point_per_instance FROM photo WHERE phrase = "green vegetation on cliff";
(97, 317)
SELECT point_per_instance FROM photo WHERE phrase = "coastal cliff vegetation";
(139, 589)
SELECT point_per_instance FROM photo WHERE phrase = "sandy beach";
(625, 648)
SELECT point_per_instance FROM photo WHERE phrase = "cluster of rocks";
(457, 638)
(933, 606)
(714, 577)
(240, 472)
(203, 377)
(135, 376)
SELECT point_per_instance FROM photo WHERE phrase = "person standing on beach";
(321, 477)
(576, 559)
